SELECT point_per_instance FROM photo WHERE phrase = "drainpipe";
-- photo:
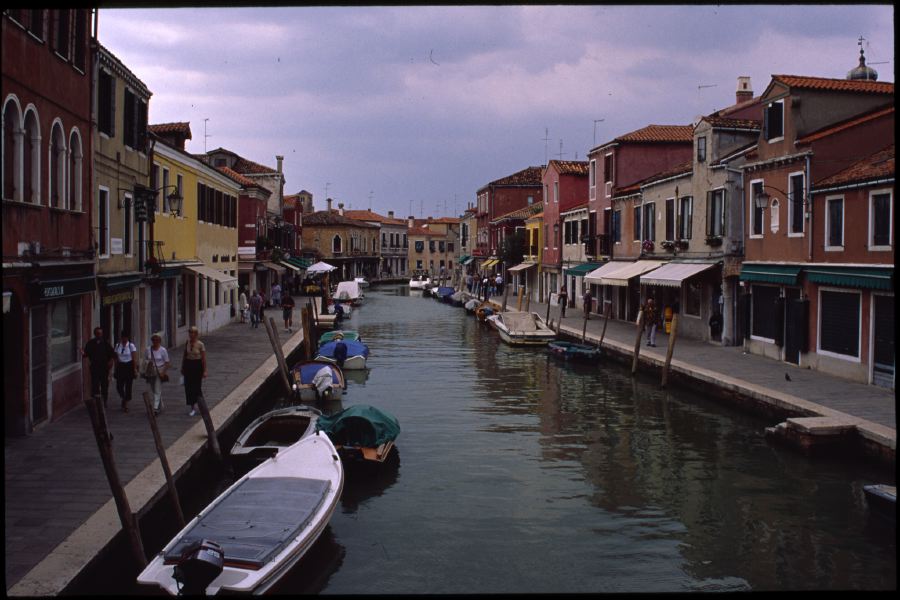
(729, 321)
(809, 205)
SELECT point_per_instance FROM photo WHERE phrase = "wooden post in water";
(210, 429)
(607, 305)
(527, 296)
(161, 451)
(104, 444)
(505, 296)
(282, 365)
(584, 328)
(637, 341)
(672, 335)
(549, 297)
(307, 333)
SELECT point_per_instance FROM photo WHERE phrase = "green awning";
(462, 259)
(582, 270)
(300, 263)
(120, 282)
(769, 273)
(856, 277)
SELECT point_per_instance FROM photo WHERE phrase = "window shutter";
(710, 213)
(766, 123)
(142, 126)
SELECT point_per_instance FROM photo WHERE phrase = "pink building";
(565, 185)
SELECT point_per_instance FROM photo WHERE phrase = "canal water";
(517, 473)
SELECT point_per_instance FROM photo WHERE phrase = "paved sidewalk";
(828, 393)
(54, 478)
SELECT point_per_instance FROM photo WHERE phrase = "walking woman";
(193, 367)
(126, 368)
(158, 363)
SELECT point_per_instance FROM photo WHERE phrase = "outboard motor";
(199, 565)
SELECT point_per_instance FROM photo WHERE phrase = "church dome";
(862, 71)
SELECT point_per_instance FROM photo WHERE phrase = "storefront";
(117, 305)
(691, 289)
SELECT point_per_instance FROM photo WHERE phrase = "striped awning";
(673, 274)
(490, 263)
(622, 276)
(223, 278)
(596, 276)
(771, 273)
(873, 278)
(582, 270)
(521, 267)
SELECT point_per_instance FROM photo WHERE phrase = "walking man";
(650, 317)
(563, 299)
(101, 358)
(276, 294)
(255, 306)
(588, 300)
(287, 309)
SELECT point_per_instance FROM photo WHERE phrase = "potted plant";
(714, 240)
(667, 245)
(682, 244)
(647, 246)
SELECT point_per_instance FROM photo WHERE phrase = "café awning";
(621, 277)
(223, 278)
(583, 269)
(596, 276)
(273, 267)
(771, 273)
(673, 274)
(490, 263)
(872, 278)
(521, 266)
(291, 266)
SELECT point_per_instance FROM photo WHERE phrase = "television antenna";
(595, 129)
(205, 135)
(546, 139)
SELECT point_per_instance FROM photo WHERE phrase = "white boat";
(519, 328)
(362, 282)
(346, 306)
(312, 378)
(263, 524)
(274, 431)
(349, 291)
(419, 283)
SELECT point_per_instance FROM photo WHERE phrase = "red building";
(565, 185)
(500, 197)
(48, 242)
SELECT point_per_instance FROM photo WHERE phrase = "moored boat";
(471, 305)
(419, 283)
(349, 291)
(519, 328)
(277, 429)
(362, 282)
(443, 293)
(345, 334)
(361, 432)
(882, 499)
(357, 353)
(458, 298)
(259, 527)
(572, 351)
(313, 379)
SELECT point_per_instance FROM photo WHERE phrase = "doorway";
(883, 358)
(39, 366)
(794, 321)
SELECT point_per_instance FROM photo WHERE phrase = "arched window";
(75, 166)
(31, 158)
(13, 135)
(336, 245)
(57, 173)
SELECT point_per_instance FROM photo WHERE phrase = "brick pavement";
(54, 479)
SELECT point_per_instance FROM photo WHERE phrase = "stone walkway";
(54, 479)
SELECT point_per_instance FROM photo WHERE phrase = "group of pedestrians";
(121, 361)
(252, 309)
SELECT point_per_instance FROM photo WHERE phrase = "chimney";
(328, 201)
(744, 90)
(341, 208)
(390, 214)
(280, 160)
(411, 221)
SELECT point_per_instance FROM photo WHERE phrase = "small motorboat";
(471, 305)
(458, 298)
(275, 431)
(345, 334)
(361, 281)
(357, 353)
(315, 380)
(419, 283)
(882, 499)
(519, 328)
(349, 292)
(484, 311)
(361, 432)
(257, 529)
(346, 308)
(443, 293)
(572, 351)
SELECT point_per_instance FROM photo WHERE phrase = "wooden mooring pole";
(104, 444)
(637, 341)
(505, 295)
(673, 333)
(584, 327)
(161, 451)
(282, 365)
(307, 332)
(210, 429)
(549, 297)
(607, 306)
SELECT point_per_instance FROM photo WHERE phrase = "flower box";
(682, 244)
(714, 240)
(667, 245)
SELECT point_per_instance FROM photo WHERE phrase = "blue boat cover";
(308, 371)
(354, 348)
(360, 425)
(257, 519)
(444, 291)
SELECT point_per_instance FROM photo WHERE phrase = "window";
(774, 215)
(555, 191)
(839, 320)
(693, 294)
(64, 324)
(57, 167)
(715, 213)
(431, 245)
(834, 223)
(450, 247)
(106, 103)
(405, 241)
(617, 226)
(36, 23)
(880, 219)
(648, 222)
(670, 219)
(685, 217)
(530, 200)
(637, 224)
(80, 37)
(201, 202)
(103, 222)
(608, 174)
(556, 235)
(592, 175)
(384, 239)
(162, 204)
(179, 181)
(567, 232)
(12, 152)
(73, 195)
(336, 244)
(764, 300)
(701, 149)
(756, 214)
(180, 303)
(796, 197)
(61, 32)
(32, 159)
(134, 121)
(774, 121)
(127, 226)
(546, 235)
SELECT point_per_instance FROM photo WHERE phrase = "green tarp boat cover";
(360, 425)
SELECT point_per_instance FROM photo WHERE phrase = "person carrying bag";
(155, 370)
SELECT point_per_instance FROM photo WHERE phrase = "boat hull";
(353, 363)
(312, 459)
(569, 351)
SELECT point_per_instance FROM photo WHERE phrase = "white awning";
(521, 267)
(596, 275)
(273, 267)
(673, 274)
(223, 278)
(621, 276)
(320, 267)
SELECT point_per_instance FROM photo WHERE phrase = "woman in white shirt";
(126, 368)
(157, 356)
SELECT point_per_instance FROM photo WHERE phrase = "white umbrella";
(320, 267)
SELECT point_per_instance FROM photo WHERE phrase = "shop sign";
(53, 289)
(118, 297)
(115, 245)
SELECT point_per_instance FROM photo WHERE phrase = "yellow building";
(533, 236)
(194, 245)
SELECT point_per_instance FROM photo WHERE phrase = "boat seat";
(257, 519)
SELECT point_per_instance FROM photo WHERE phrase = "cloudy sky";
(412, 109)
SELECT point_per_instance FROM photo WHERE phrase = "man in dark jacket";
(101, 357)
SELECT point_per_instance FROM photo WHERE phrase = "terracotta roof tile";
(836, 85)
(324, 217)
(423, 231)
(660, 133)
(847, 124)
(570, 167)
(521, 213)
(235, 176)
(877, 166)
(164, 128)
(725, 122)
(682, 169)
(368, 215)
(527, 176)
(242, 165)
